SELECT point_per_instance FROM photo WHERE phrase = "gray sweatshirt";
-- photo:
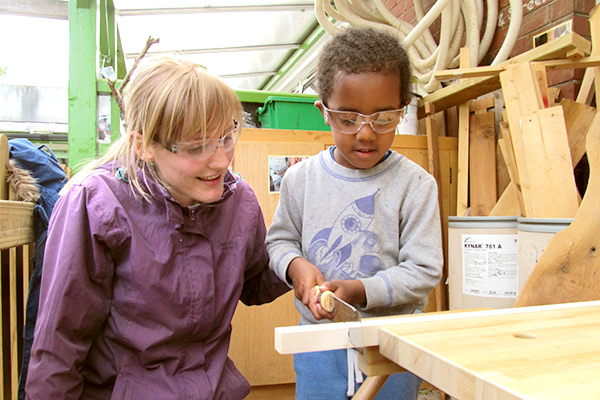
(379, 225)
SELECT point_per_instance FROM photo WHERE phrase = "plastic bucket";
(533, 237)
(482, 262)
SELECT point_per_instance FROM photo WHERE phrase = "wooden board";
(552, 187)
(521, 97)
(544, 353)
(16, 224)
(482, 163)
(569, 267)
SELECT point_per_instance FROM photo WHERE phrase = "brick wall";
(538, 16)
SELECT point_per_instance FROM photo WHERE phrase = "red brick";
(581, 25)
(535, 20)
(503, 3)
(560, 76)
(522, 45)
(561, 8)
(584, 6)
(569, 90)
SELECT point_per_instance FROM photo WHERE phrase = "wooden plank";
(433, 154)
(569, 267)
(462, 191)
(595, 35)
(13, 330)
(508, 204)
(335, 336)
(579, 119)
(16, 223)
(521, 97)
(491, 70)
(4, 156)
(482, 163)
(472, 88)
(505, 144)
(586, 94)
(553, 190)
(548, 354)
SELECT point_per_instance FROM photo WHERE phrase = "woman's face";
(191, 180)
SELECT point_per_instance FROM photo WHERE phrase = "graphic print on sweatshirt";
(347, 249)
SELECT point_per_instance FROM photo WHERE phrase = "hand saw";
(342, 312)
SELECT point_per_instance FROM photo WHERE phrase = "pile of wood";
(539, 142)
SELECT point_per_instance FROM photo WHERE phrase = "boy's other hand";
(305, 276)
(352, 292)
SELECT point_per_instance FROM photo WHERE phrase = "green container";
(291, 113)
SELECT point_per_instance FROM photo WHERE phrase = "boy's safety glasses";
(201, 150)
(350, 122)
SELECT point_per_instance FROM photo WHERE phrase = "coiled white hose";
(461, 26)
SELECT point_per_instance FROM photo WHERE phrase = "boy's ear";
(138, 145)
(319, 105)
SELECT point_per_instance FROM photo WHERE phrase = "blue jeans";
(324, 375)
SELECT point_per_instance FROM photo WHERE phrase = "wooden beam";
(472, 88)
(462, 190)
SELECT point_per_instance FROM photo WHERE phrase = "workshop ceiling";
(250, 44)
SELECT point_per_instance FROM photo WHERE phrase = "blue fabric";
(324, 375)
(43, 165)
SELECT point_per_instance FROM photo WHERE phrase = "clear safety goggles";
(201, 150)
(350, 122)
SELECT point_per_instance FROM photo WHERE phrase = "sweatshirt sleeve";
(420, 258)
(75, 296)
(284, 239)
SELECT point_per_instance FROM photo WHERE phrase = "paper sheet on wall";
(490, 266)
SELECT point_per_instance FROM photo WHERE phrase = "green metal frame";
(94, 42)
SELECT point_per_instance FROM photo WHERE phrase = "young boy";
(358, 219)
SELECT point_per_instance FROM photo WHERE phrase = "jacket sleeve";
(261, 285)
(75, 297)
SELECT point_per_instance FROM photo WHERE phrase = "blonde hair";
(168, 99)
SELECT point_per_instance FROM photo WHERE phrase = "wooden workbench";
(544, 352)
(547, 352)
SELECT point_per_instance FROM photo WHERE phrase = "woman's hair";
(167, 100)
(357, 50)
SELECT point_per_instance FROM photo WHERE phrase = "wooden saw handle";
(326, 300)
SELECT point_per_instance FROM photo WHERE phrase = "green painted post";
(83, 64)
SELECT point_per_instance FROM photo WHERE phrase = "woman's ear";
(147, 154)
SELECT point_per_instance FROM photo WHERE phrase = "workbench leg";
(370, 387)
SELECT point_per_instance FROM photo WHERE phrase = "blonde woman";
(149, 250)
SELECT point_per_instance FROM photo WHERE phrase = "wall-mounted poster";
(277, 167)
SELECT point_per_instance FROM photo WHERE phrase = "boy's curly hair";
(357, 50)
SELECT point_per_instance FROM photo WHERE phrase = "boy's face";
(365, 93)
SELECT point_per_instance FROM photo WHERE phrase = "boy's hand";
(305, 276)
(352, 292)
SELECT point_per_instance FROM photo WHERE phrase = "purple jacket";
(137, 297)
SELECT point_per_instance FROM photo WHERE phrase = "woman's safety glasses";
(350, 122)
(202, 150)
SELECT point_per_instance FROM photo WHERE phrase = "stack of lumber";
(536, 144)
